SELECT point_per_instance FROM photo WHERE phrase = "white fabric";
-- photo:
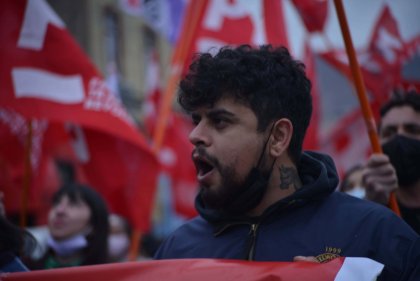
(69, 246)
(359, 269)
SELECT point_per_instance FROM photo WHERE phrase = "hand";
(379, 178)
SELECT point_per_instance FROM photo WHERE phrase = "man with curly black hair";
(262, 198)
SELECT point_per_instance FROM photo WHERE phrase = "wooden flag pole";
(134, 249)
(27, 176)
(361, 91)
(194, 13)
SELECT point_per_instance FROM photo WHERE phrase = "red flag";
(45, 74)
(311, 141)
(388, 53)
(313, 13)
(175, 153)
(175, 156)
(386, 44)
(125, 175)
(13, 135)
(340, 269)
(340, 131)
(382, 65)
(347, 142)
(237, 22)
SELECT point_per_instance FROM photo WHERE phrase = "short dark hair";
(267, 79)
(398, 99)
(97, 249)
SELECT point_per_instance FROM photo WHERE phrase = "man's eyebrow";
(219, 112)
(194, 115)
(390, 126)
(411, 124)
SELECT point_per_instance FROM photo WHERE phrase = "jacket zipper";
(253, 234)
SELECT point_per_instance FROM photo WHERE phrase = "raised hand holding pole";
(361, 91)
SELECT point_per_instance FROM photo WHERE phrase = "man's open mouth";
(202, 166)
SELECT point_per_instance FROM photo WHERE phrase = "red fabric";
(59, 55)
(340, 269)
(313, 13)
(181, 169)
(112, 155)
(44, 176)
(189, 269)
(311, 141)
(124, 174)
(381, 66)
(238, 22)
(175, 153)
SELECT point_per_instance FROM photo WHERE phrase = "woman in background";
(78, 229)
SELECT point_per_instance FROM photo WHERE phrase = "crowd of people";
(261, 197)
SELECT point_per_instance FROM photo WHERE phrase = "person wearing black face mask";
(399, 132)
(261, 197)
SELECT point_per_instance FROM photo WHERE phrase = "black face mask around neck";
(254, 187)
(251, 194)
(404, 154)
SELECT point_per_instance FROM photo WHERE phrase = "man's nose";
(401, 131)
(199, 135)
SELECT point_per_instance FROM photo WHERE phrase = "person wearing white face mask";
(352, 182)
(78, 229)
(118, 239)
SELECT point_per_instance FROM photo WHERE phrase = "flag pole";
(361, 91)
(190, 25)
(26, 176)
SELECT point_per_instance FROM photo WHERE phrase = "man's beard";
(235, 195)
(229, 186)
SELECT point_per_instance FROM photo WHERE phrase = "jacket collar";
(319, 178)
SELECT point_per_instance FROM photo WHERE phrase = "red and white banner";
(341, 131)
(341, 269)
(313, 13)
(45, 179)
(224, 22)
(45, 75)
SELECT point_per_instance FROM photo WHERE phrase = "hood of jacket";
(319, 179)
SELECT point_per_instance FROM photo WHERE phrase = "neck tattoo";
(289, 178)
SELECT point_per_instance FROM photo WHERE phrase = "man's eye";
(388, 132)
(220, 123)
(412, 129)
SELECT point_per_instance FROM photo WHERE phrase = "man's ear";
(280, 137)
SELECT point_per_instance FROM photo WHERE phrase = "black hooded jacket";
(313, 221)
